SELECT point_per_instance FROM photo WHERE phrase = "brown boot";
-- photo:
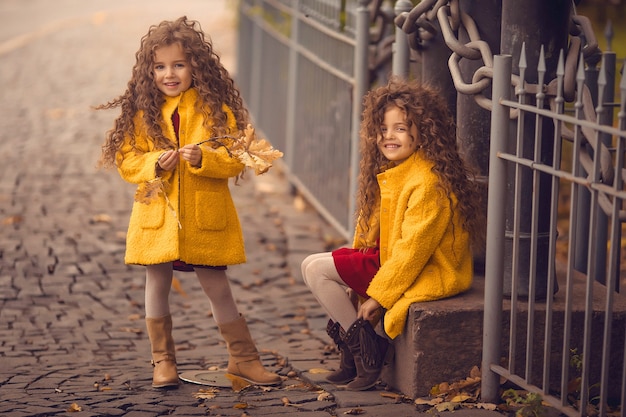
(243, 359)
(370, 352)
(163, 356)
(347, 368)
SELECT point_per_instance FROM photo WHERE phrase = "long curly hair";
(209, 77)
(427, 111)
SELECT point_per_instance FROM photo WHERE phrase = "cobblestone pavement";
(71, 313)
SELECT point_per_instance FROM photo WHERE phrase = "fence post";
(494, 261)
(400, 48)
(292, 85)
(361, 82)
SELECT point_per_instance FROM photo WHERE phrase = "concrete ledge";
(442, 340)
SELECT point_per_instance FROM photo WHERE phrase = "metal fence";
(297, 74)
(570, 348)
(555, 168)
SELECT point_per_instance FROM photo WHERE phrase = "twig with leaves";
(252, 152)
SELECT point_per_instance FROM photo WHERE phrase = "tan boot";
(163, 356)
(243, 357)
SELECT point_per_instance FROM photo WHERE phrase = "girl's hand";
(368, 309)
(192, 154)
(168, 160)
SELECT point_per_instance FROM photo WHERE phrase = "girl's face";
(398, 140)
(172, 72)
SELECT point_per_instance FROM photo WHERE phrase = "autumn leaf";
(354, 411)
(74, 408)
(254, 153)
(149, 191)
(447, 406)
(206, 393)
(238, 382)
(319, 371)
(13, 219)
(178, 287)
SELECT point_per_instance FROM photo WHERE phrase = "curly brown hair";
(209, 77)
(427, 111)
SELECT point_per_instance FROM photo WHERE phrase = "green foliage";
(528, 405)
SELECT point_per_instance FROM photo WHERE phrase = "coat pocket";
(210, 210)
(149, 216)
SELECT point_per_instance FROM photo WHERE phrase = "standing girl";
(183, 216)
(417, 207)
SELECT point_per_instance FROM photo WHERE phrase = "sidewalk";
(72, 334)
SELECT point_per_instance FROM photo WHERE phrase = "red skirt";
(357, 267)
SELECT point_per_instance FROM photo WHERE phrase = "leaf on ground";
(487, 406)
(431, 402)
(319, 371)
(176, 285)
(237, 382)
(240, 406)
(447, 406)
(354, 411)
(460, 398)
(101, 218)
(325, 396)
(74, 408)
(206, 393)
(135, 330)
(13, 219)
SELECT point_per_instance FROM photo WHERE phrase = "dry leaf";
(240, 406)
(325, 396)
(149, 191)
(178, 287)
(13, 219)
(135, 330)
(206, 393)
(238, 382)
(319, 371)
(101, 218)
(486, 406)
(354, 411)
(74, 408)
(254, 153)
(460, 398)
(447, 406)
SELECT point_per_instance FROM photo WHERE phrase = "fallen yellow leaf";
(178, 287)
(74, 408)
(319, 371)
(238, 382)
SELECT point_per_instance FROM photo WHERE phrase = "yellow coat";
(424, 252)
(199, 198)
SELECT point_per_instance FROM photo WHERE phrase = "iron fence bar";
(550, 399)
(534, 228)
(554, 203)
(494, 261)
(592, 256)
(361, 82)
(515, 254)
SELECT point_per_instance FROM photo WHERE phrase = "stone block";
(442, 339)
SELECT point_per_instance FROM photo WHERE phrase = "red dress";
(357, 267)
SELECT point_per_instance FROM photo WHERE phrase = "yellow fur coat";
(199, 198)
(424, 252)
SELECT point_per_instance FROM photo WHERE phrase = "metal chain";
(419, 25)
